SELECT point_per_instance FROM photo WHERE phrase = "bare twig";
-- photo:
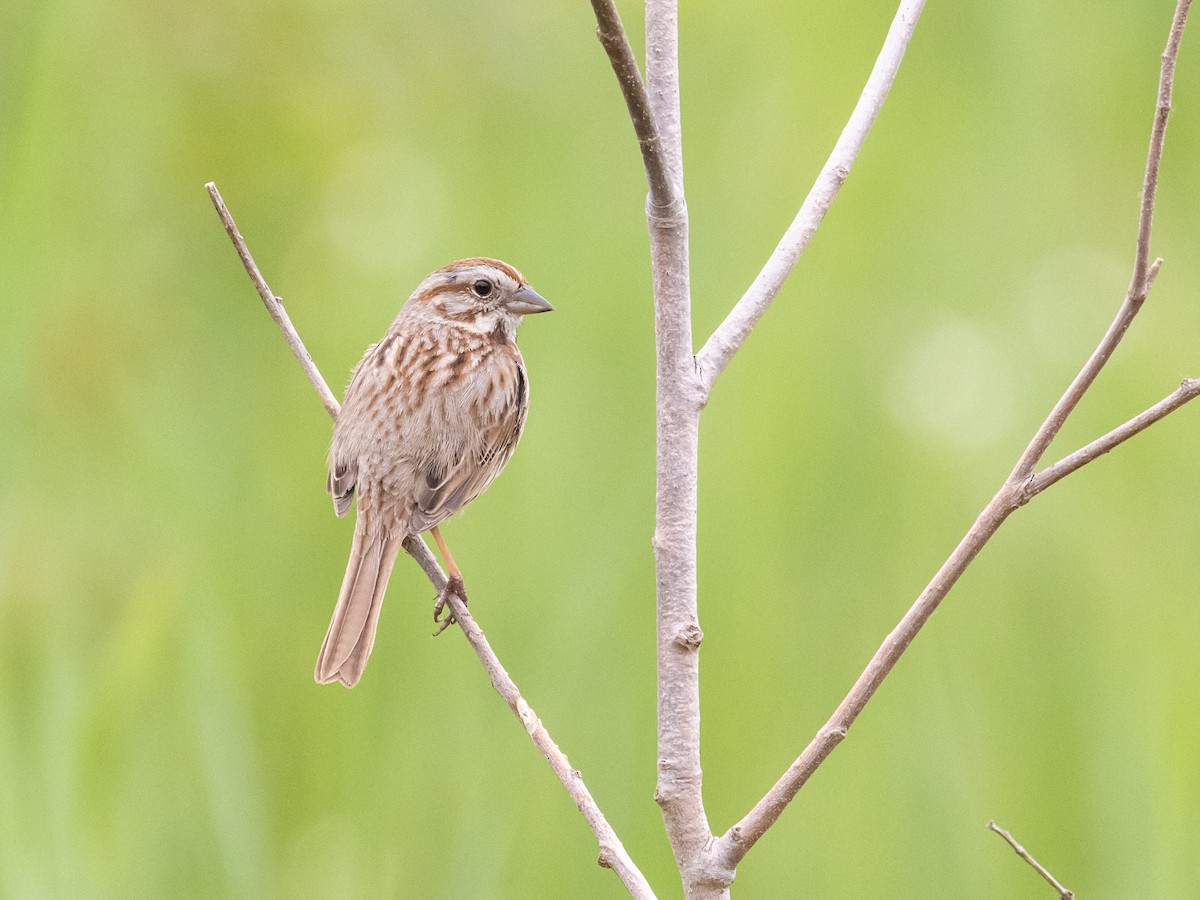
(612, 852)
(1143, 271)
(729, 336)
(1139, 283)
(274, 305)
(1063, 893)
(1188, 390)
(1017, 490)
(736, 842)
(612, 36)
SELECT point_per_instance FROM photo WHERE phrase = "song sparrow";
(432, 414)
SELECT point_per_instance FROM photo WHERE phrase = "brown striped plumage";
(431, 416)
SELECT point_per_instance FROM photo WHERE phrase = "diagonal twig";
(612, 852)
(1063, 893)
(720, 348)
(1188, 390)
(1143, 271)
(1020, 486)
(274, 305)
(611, 34)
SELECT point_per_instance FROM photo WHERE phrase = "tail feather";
(351, 632)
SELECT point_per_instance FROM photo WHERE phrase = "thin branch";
(735, 843)
(1017, 490)
(612, 852)
(274, 305)
(729, 336)
(1063, 893)
(1188, 390)
(1139, 283)
(1143, 271)
(611, 33)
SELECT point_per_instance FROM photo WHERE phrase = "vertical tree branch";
(1139, 284)
(662, 82)
(612, 852)
(654, 108)
(678, 405)
(655, 111)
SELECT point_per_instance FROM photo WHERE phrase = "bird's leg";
(453, 586)
(451, 566)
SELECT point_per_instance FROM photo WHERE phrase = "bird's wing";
(343, 466)
(441, 494)
(446, 486)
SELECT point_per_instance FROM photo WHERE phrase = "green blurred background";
(169, 560)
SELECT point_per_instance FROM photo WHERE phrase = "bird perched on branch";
(432, 414)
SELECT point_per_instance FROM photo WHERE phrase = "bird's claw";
(453, 586)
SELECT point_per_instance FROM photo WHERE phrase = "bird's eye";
(482, 287)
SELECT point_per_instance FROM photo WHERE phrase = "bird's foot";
(453, 586)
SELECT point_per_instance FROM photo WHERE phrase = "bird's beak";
(527, 301)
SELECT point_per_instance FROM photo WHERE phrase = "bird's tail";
(352, 630)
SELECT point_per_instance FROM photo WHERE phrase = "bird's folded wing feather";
(442, 494)
(342, 478)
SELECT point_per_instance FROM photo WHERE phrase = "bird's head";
(482, 294)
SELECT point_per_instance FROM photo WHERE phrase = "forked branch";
(612, 852)
(683, 382)
(1143, 271)
(1188, 390)
(1018, 489)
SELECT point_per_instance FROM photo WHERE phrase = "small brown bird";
(432, 414)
